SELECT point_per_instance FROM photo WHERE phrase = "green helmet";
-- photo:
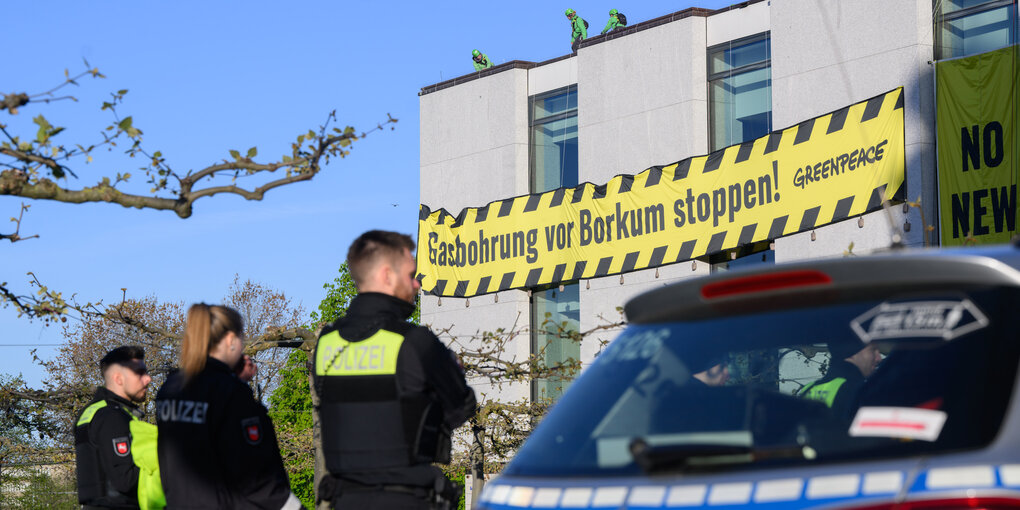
(613, 12)
(569, 12)
(475, 53)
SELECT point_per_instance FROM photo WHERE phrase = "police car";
(704, 400)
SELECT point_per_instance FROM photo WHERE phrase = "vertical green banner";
(977, 147)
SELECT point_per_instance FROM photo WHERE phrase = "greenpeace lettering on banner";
(820, 171)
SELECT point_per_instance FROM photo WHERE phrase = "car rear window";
(776, 388)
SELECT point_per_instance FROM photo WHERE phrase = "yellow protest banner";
(820, 171)
(977, 147)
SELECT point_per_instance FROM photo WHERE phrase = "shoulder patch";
(122, 446)
(251, 428)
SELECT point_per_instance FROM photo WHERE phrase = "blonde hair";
(206, 327)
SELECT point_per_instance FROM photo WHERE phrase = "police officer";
(390, 392)
(107, 474)
(850, 364)
(217, 446)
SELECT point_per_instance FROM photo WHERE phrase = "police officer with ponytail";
(390, 392)
(217, 446)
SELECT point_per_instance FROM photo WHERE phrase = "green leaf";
(125, 124)
(121, 92)
(252, 152)
(235, 154)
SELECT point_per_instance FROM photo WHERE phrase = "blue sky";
(206, 77)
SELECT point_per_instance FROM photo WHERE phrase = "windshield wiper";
(679, 457)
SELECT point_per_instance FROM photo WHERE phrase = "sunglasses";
(136, 366)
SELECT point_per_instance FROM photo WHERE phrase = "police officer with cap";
(107, 473)
(390, 392)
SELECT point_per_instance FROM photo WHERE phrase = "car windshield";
(911, 374)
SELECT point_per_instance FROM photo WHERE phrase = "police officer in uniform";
(390, 392)
(107, 474)
(217, 446)
(850, 364)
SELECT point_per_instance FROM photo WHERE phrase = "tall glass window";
(740, 90)
(969, 27)
(555, 313)
(555, 322)
(553, 119)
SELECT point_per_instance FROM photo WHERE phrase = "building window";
(555, 313)
(969, 27)
(555, 322)
(553, 120)
(739, 90)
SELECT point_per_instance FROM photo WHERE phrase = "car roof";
(825, 281)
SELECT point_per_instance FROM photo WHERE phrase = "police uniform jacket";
(107, 474)
(390, 393)
(217, 446)
(838, 389)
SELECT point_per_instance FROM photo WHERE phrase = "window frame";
(533, 123)
(729, 73)
(942, 18)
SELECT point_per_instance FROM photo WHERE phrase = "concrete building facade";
(654, 106)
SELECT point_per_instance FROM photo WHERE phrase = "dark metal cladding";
(810, 218)
(843, 208)
(838, 120)
(778, 227)
(630, 261)
(804, 130)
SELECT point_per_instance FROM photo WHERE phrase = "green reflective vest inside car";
(824, 392)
